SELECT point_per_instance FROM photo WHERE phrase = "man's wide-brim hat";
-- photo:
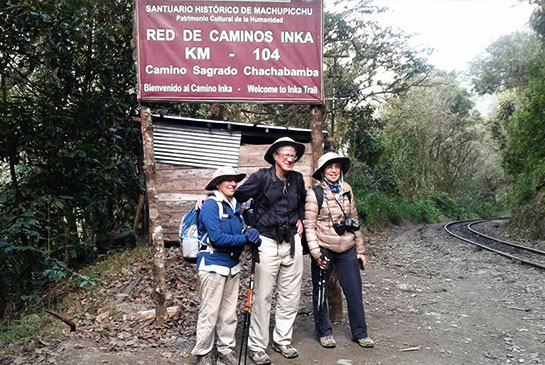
(281, 142)
(224, 173)
(329, 158)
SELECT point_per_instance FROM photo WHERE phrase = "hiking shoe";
(228, 359)
(260, 357)
(288, 351)
(205, 359)
(327, 342)
(365, 342)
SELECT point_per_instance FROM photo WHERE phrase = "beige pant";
(276, 269)
(218, 311)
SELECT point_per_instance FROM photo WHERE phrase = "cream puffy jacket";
(319, 228)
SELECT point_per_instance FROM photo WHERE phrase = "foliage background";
(514, 68)
(70, 150)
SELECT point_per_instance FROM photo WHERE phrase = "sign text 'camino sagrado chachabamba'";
(263, 51)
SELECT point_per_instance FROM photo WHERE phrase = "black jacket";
(276, 202)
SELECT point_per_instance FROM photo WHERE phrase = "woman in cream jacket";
(334, 237)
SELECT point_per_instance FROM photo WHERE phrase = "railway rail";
(465, 231)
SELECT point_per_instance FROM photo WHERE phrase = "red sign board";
(264, 51)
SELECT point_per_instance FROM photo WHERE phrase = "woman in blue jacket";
(218, 265)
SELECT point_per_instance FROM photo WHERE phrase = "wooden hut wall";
(251, 160)
(178, 187)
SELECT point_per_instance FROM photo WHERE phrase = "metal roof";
(198, 147)
(272, 131)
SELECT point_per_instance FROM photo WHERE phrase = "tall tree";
(431, 138)
(363, 62)
(67, 80)
(517, 70)
(506, 63)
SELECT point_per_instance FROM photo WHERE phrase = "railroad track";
(527, 255)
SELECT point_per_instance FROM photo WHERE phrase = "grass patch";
(18, 331)
(33, 322)
(110, 266)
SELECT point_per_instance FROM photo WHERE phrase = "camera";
(346, 225)
(351, 225)
(283, 233)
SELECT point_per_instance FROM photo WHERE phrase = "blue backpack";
(188, 234)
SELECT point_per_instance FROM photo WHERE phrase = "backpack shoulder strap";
(205, 240)
(319, 192)
(220, 205)
(267, 176)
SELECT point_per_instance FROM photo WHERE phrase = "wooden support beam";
(156, 230)
(335, 294)
(317, 136)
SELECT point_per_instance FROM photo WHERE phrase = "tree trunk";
(11, 148)
(156, 230)
(13, 174)
(138, 215)
(334, 297)
(317, 137)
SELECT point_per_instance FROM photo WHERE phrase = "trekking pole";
(321, 291)
(321, 287)
(248, 308)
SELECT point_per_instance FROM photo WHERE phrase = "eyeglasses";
(285, 156)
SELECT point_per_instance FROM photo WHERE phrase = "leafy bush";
(524, 154)
(69, 150)
(383, 206)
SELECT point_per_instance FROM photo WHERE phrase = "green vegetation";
(426, 159)
(65, 296)
(70, 152)
(15, 330)
(524, 154)
(514, 67)
(379, 208)
(69, 148)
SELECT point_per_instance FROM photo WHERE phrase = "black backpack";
(250, 215)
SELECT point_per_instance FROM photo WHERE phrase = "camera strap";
(329, 212)
(340, 206)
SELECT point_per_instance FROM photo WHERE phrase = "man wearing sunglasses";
(278, 211)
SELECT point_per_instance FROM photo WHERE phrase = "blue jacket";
(224, 234)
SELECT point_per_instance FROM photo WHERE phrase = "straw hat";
(281, 142)
(328, 158)
(224, 173)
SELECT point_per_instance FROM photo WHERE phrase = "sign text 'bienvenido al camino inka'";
(263, 51)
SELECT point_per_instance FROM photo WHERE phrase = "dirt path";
(430, 299)
(450, 302)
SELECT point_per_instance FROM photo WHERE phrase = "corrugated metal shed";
(188, 150)
(193, 146)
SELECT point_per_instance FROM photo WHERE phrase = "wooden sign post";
(317, 136)
(155, 228)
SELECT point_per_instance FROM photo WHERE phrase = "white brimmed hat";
(328, 158)
(224, 173)
(281, 142)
